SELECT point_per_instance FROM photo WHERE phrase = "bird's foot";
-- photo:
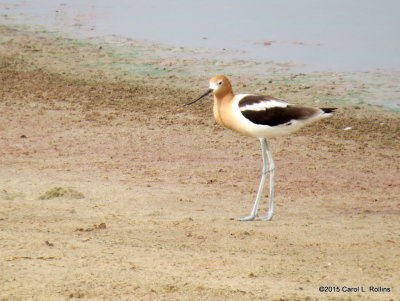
(247, 218)
(265, 218)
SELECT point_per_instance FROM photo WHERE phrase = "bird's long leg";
(271, 170)
(264, 149)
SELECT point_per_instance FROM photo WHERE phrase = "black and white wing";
(266, 110)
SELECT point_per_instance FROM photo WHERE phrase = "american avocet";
(260, 117)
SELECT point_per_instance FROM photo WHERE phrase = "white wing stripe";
(262, 105)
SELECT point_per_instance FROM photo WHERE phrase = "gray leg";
(264, 151)
(271, 170)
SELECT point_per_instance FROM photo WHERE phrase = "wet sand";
(111, 190)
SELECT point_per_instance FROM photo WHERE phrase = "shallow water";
(336, 35)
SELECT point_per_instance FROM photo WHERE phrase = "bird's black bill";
(197, 99)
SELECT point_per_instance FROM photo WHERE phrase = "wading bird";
(260, 117)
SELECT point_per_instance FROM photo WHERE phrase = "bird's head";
(219, 86)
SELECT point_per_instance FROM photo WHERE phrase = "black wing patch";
(279, 115)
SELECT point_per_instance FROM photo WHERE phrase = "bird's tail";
(328, 111)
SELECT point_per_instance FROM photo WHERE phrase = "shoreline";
(318, 47)
(132, 58)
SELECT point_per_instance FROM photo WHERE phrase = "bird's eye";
(220, 82)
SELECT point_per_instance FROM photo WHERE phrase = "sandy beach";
(111, 190)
